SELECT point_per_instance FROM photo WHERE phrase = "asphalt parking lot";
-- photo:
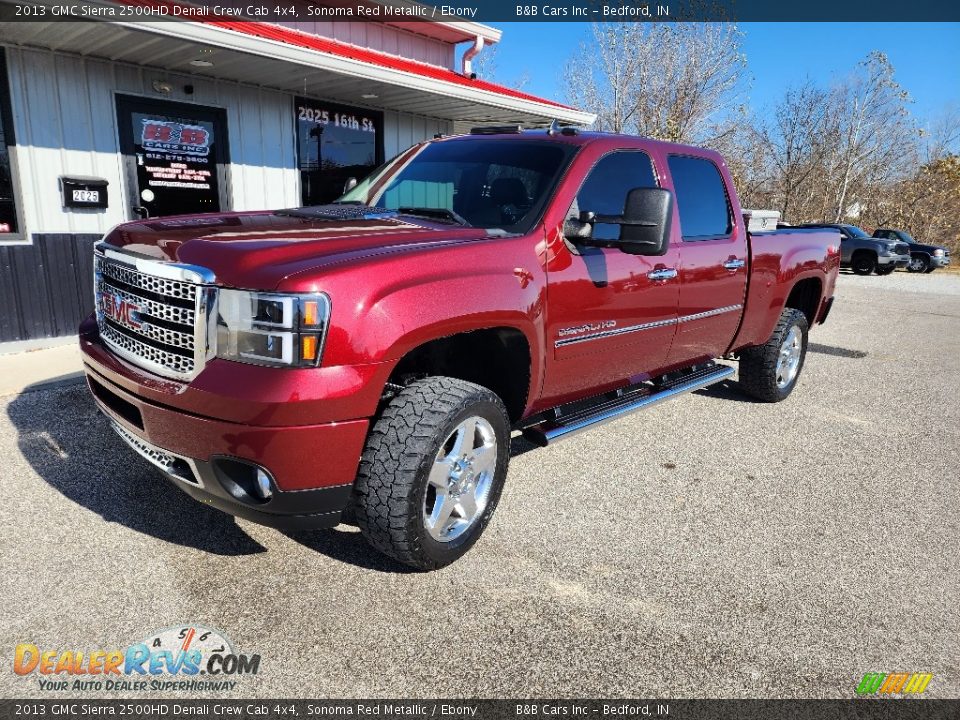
(710, 547)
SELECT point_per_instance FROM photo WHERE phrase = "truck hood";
(923, 247)
(257, 250)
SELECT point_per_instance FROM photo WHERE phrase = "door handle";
(734, 264)
(661, 274)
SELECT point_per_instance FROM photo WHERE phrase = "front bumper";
(311, 468)
(939, 262)
(900, 261)
(201, 480)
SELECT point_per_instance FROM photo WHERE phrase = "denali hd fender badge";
(120, 310)
(588, 328)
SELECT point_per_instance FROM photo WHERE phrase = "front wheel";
(885, 269)
(769, 372)
(918, 264)
(432, 471)
(863, 263)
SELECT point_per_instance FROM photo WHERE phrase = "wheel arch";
(805, 296)
(498, 358)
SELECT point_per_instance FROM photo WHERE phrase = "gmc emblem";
(121, 311)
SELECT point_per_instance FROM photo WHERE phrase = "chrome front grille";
(160, 286)
(152, 313)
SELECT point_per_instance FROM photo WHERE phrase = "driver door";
(610, 315)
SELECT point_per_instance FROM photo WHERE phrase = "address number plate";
(89, 196)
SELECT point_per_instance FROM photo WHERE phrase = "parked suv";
(864, 254)
(923, 258)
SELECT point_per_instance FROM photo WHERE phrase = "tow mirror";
(644, 225)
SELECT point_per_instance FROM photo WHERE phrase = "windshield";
(855, 231)
(482, 182)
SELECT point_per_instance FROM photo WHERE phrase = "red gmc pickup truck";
(368, 360)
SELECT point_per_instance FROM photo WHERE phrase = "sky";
(926, 57)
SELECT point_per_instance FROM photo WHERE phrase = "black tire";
(392, 482)
(863, 263)
(759, 365)
(929, 270)
(919, 264)
(885, 269)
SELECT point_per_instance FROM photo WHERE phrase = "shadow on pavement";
(726, 390)
(70, 445)
(347, 546)
(836, 351)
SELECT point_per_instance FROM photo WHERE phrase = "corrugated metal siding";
(380, 37)
(47, 287)
(64, 113)
(401, 130)
(65, 118)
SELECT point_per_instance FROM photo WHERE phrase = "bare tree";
(486, 66)
(942, 138)
(672, 81)
(797, 143)
(873, 130)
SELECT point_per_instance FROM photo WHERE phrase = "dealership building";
(105, 122)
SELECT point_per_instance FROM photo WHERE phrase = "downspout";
(466, 62)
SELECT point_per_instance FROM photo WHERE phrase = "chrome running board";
(604, 409)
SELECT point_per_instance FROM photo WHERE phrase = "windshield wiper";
(434, 214)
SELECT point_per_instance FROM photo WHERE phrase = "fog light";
(246, 481)
(263, 485)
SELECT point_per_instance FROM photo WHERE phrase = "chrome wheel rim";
(459, 483)
(788, 364)
(916, 264)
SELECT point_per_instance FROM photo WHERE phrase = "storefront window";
(8, 205)
(335, 143)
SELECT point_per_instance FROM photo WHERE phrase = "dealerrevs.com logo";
(186, 658)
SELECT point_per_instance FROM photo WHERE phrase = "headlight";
(272, 328)
(938, 252)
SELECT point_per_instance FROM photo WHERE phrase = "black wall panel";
(46, 288)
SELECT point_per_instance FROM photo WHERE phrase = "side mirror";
(349, 185)
(647, 217)
(644, 225)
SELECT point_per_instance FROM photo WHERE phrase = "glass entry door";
(175, 157)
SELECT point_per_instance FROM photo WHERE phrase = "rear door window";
(701, 198)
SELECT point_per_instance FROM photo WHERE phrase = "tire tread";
(403, 438)
(758, 364)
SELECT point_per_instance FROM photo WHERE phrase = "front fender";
(381, 310)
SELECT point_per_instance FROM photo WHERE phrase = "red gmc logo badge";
(120, 310)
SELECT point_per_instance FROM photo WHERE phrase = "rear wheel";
(432, 471)
(769, 372)
(919, 264)
(863, 263)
